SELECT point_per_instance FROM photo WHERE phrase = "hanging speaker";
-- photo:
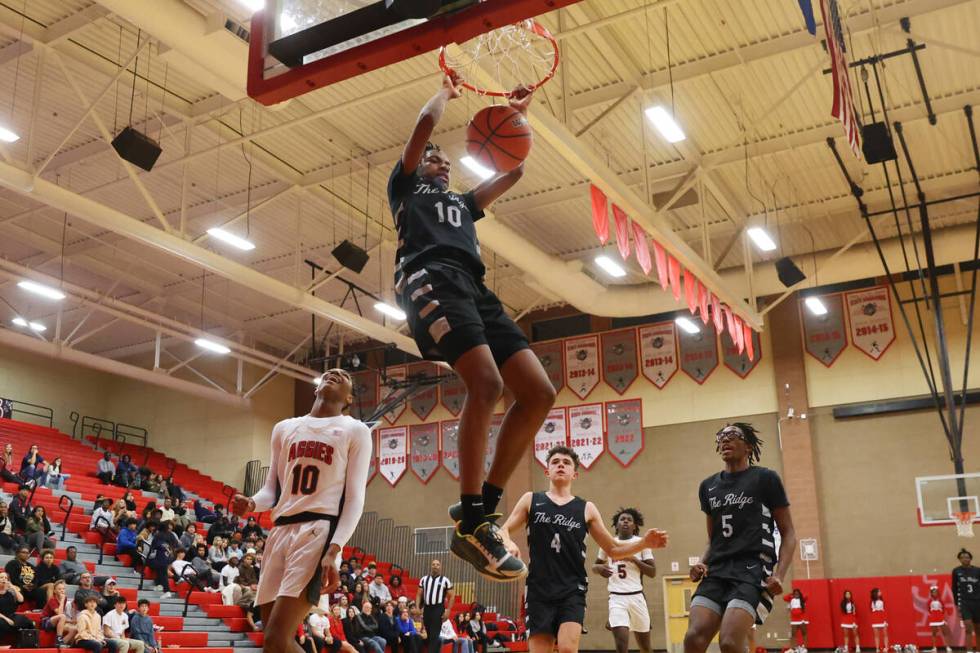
(350, 256)
(877, 143)
(137, 148)
(788, 273)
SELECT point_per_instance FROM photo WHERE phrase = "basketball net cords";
(517, 54)
(964, 523)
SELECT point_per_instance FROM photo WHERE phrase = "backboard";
(941, 496)
(297, 46)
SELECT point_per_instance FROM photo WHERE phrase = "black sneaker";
(59, 641)
(484, 549)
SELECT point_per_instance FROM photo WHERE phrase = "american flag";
(843, 108)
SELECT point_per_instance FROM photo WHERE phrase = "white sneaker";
(158, 588)
(166, 595)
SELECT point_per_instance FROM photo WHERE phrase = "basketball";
(499, 137)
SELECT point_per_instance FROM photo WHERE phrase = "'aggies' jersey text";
(626, 578)
(556, 544)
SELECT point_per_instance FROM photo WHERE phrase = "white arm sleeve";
(265, 498)
(358, 463)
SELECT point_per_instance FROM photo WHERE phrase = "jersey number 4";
(305, 479)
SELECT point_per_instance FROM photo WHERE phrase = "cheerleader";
(937, 621)
(848, 621)
(797, 617)
(879, 620)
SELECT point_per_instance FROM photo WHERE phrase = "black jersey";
(966, 584)
(432, 224)
(556, 541)
(740, 506)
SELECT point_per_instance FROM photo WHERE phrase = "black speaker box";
(877, 143)
(350, 256)
(137, 148)
(788, 273)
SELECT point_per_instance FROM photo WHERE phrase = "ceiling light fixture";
(815, 305)
(8, 136)
(211, 345)
(40, 289)
(688, 325)
(477, 168)
(37, 327)
(390, 311)
(231, 239)
(609, 266)
(665, 124)
(253, 5)
(762, 239)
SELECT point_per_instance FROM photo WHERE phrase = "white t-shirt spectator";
(101, 512)
(319, 624)
(167, 514)
(447, 632)
(228, 575)
(178, 566)
(379, 592)
(118, 623)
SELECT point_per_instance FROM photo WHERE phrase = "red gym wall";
(905, 601)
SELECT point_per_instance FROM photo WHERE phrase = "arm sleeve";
(358, 462)
(265, 498)
(399, 183)
(774, 492)
(647, 554)
(602, 555)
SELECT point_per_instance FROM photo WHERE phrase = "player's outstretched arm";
(429, 117)
(653, 539)
(487, 192)
(516, 520)
(265, 498)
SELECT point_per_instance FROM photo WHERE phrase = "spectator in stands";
(32, 465)
(369, 631)
(349, 623)
(188, 539)
(55, 619)
(181, 520)
(304, 641)
(336, 620)
(126, 542)
(161, 555)
(167, 512)
(10, 598)
(415, 612)
(20, 508)
(248, 579)
(90, 634)
(203, 514)
(396, 588)
(229, 573)
(103, 520)
(148, 509)
(70, 570)
(110, 592)
(130, 499)
(234, 549)
(174, 491)
(54, 476)
(37, 532)
(478, 632)
(141, 627)
(86, 590)
(181, 569)
(448, 635)
(6, 408)
(114, 626)
(217, 554)
(378, 591)
(6, 465)
(145, 539)
(9, 540)
(253, 616)
(106, 470)
(125, 472)
(387, 627)
(369, 572)
(359, 595)
(120, 514)
(202, 569)
(252, 528)
(222, 526)
(47, 573)
(319, 629)
(23, 575)
(410, 638)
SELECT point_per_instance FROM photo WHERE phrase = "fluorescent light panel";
(33, 326)
(815, 305)
(476, 167)
(211, 345)
(390, 310)
(665, 124)
(688, 325)
(8, 136)
(762, 239)
(253, 5)
(40, 289)
(231, 239)
(609, 266)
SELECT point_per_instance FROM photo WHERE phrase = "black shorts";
(450, 312)
(546, 617)
(740, 585)
(970, 611)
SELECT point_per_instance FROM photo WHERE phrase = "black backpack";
(27, 638)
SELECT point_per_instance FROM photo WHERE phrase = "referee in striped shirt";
(435, 595)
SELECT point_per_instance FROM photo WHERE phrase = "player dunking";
(966, 591)
(455, 318)
(739, 573)
(627, 605)
(315, 488)
(557, 522)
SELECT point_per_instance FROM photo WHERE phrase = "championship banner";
(585, 434)
(449, 446)
(624, 429)
(424, 452)
(869, 313)
(492, 436)
(452, 393)
(699, 352)
(824, 336)
(365, 394)
(582, 364)
(553, 432)
(550, 356)
(658, 351)
(619, 359)
(425, 400)
(373, 466)
(741, 364)
(395, 376)
(393, 453)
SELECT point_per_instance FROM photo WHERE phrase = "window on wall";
(561, 327)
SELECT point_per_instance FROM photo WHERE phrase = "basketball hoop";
(522, 54)
(964, 523)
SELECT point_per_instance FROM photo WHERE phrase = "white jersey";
(317, 463)
(626, 578)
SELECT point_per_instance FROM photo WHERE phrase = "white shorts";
(937, 624)
(291, 562)
(883, 624)
(803, 622)
(630, 611)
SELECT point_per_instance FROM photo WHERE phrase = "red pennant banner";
(622, 232)
(675, 276)
(690, 291)
(393, 453)
(703, 302)
(661, 257)
(716, 316)
(642, 248)
(600, 215)
(739, 334)
(729, 320)
(749, 341)
(870, 313)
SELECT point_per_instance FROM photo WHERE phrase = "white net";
(964, 523)
(497, 62)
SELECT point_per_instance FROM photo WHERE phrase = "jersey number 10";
(455, 215)
(305, 478)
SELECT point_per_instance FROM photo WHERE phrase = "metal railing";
(190, 577)
(71, 506)
(125, 432)
(28, 409)
(108, 529)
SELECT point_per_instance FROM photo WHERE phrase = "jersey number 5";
(305, 479)
(452, 212)
(726, 525)
(621, 570)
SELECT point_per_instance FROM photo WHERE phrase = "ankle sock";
(473, 512)
(491, 497)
